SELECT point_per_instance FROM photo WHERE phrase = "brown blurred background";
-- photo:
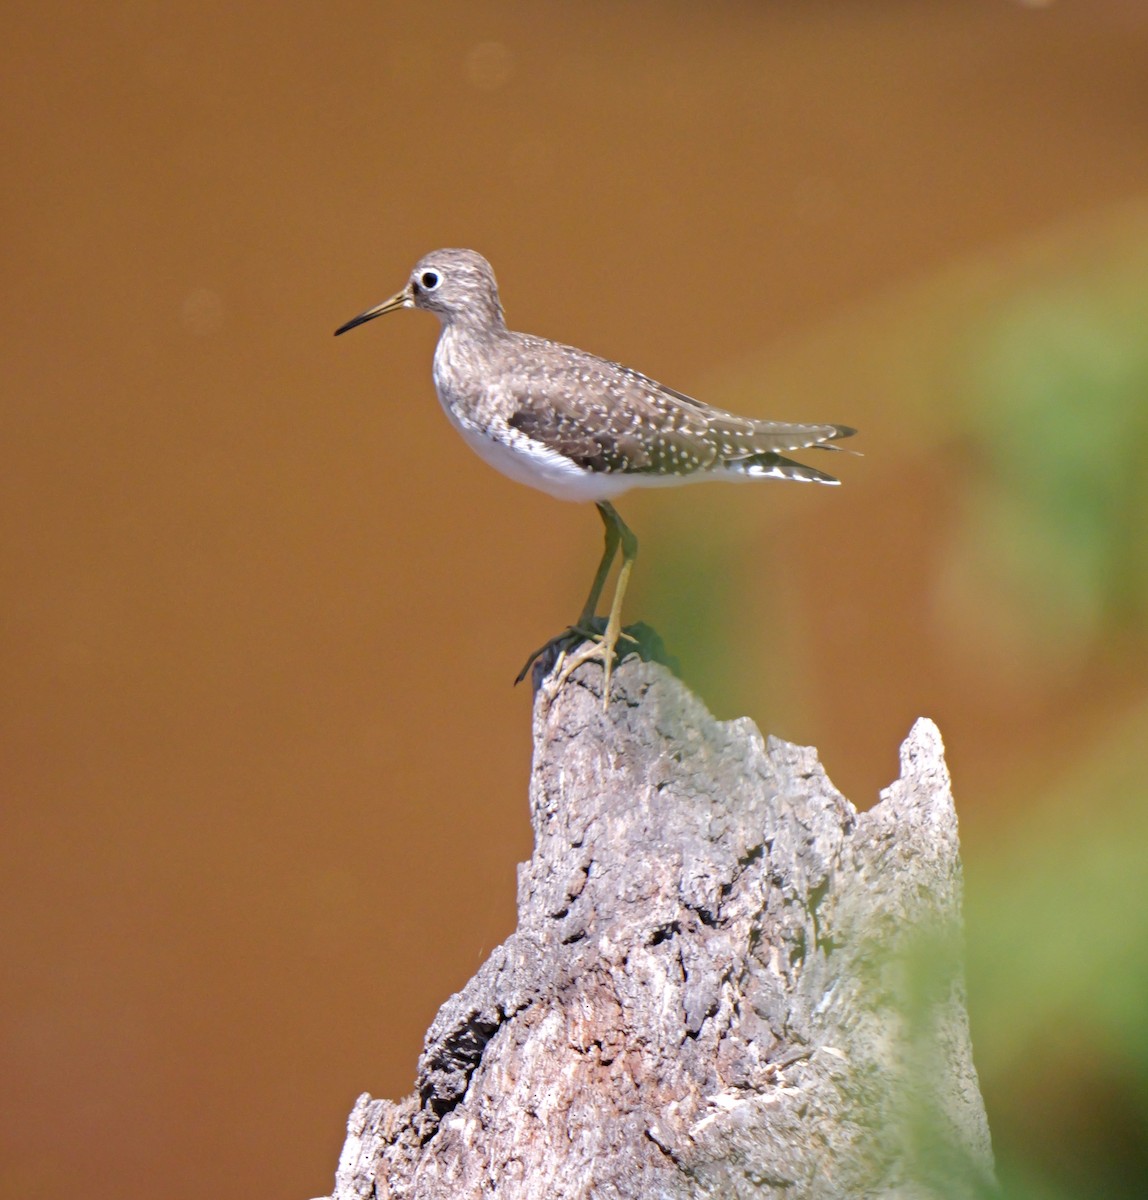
(263, 773)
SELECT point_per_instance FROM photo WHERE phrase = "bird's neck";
(472, 335)
(465, 351)
(481, 318)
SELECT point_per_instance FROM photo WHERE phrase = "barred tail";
(775, 466)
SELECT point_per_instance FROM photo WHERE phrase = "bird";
(581, 428)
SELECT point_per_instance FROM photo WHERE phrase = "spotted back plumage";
(616, 420)
(569, 422)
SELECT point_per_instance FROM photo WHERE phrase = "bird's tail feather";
(774, 466)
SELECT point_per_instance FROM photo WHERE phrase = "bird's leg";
(613, 527)
(629, 544)
(600, 645)
(618, 533)
(583, 628)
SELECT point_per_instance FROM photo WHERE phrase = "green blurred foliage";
(1057, 924)
(1053, 548)
(1055, 525)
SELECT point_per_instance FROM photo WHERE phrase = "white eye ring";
(429, 280)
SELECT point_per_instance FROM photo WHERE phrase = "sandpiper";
(581, 427)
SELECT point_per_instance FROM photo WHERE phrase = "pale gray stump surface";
(725, 982)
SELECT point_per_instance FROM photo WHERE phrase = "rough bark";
(725, 980)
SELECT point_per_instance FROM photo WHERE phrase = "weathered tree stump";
(725, 980)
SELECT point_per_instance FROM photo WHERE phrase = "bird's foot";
(559, 649)
(602, 647)
(561, 656)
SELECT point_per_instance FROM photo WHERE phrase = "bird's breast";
(480, 407)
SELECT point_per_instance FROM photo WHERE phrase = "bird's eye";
(430, 280)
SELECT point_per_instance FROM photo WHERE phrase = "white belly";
(526, 461)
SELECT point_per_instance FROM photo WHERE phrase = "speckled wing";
(611, 419)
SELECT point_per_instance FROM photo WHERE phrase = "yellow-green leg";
(613, 526)
(618, 534)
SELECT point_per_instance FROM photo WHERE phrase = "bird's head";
(455, 285)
